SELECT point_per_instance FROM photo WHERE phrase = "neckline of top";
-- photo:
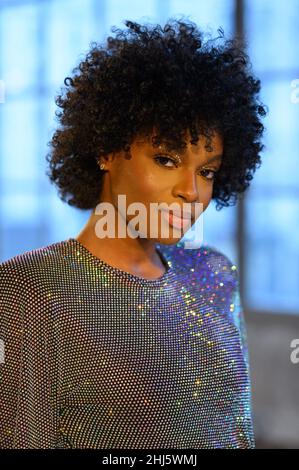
(95, 260)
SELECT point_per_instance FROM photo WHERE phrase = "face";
(157, 175)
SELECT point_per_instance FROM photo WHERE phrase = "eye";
(210, 171)
(163, 158)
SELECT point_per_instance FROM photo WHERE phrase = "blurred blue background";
(42, 41)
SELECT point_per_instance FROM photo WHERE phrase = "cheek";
(150, 185)
(139, 183)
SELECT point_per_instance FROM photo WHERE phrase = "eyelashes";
(213, 174)
(164, 157)
(159, 158)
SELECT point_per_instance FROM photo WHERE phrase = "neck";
(135, 255)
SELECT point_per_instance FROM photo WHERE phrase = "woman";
(134, 341)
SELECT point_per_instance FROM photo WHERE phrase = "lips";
(176, 221)
(180, 215)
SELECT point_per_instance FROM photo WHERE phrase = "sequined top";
(96, 357)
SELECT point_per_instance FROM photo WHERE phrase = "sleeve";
(238, 317)
(220, 263)
(239, 320)
(27, 386)
(234, 312)
(237, 312)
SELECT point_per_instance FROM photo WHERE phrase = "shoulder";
(205, 259)
(26, 268)
(219, 262)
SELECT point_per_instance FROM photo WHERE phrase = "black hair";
(169, 78)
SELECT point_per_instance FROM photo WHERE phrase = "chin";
(169, 240)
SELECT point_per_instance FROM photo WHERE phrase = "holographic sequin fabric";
(96, 357)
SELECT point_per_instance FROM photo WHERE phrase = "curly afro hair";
(169, 79)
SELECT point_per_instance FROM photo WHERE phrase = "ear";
(103, 160)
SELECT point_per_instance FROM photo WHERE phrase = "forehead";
(214, 143)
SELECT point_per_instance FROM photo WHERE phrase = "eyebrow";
(212, 159)
(215, 158)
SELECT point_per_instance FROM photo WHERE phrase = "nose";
(187, 187)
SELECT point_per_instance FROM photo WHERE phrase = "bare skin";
(143, 179)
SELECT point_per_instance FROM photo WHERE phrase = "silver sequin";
(96, 357)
